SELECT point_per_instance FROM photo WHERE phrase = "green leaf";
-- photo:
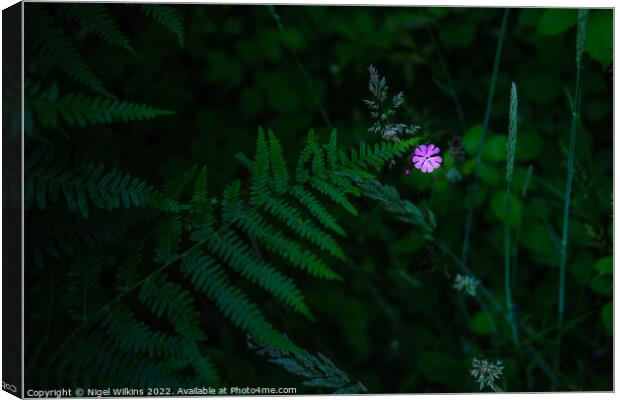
(494, 148)
(480, 323)
(498, 207)
(599, 38)
(605, 265)
(556, 20)
(602, 285)
(607, 315)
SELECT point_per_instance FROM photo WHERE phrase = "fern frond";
(208, 277)
(133, 335)
(334, 193)
(312, 204)
(306, 228)
(259, 187)
(256, 226)
(81, 110)
(83, 276)
(94, 18)
(67, 233)
(49, 178)
(333, 153)
(200, 195)
(85, 271)
(278, 164)
(174, 187)
(377, 155)
(127, 274)
(58, 49)
(388, 197)
(301, 173)
(167, 16)
(168, 238)
(318, 371)
(232, 205)
(164, 297)
(232, 250)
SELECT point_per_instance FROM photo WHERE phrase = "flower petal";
(415, 159)
(432, 149)
(426, 167)
(421, 150)
(419, 164)
(435, 161)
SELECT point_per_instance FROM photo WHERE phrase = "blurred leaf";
(439, 366)
(475, 198)
(495, 148)
(602, 285)
(607, 317)
(480, 323)
(498, 206)
(536, 238)
(556, 20)
(457, 35)
(471, 139)
(599, 39)
(529, 146)
(605, 265)
(408, 244)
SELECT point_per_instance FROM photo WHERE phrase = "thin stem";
(581, 33)
(444, 69)
(491, 298)
(509, 306)
(301, 67)
(487, 115)
(515, 246)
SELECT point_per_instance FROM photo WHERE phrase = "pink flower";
(423, 158)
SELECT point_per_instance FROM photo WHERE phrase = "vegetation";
(225, 196)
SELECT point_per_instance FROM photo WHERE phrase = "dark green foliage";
(77, 109)
(167, 16)
(217, 242)
(95, 19)
(154, 244)
(55, 180)
(57, 49)
(318, 371)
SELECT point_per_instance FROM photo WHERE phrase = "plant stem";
(487, 115)
(301, 67)
(581, 33)
(515, 246)
(511, 146)
(507, 256)
(444, 69)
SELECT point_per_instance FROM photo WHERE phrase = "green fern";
(208, 277)
(48, 178)
(95, 19)
(167, 298)
(83, 277)
(58, 49)
(318, 371)
(242, 233)
(81, 110)
(167, 16)
(65, 233)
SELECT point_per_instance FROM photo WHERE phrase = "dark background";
(395, 323)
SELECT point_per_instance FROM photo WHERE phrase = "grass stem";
(485, 125)
(581, 37)
(511, 145)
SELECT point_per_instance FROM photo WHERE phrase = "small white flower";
(467, 284)
(486, 372)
